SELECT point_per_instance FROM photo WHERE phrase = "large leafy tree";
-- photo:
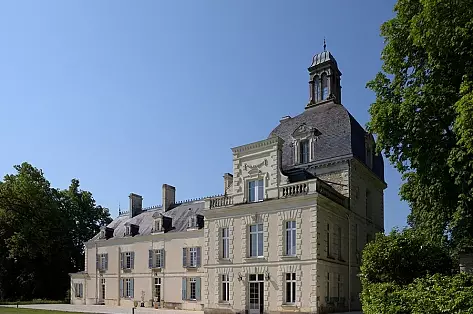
(41, 234)
(422, 113)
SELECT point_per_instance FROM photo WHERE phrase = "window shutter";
(198, 256)
(184, 257)
(121, 260)
(132, 260)
(162, 258)
(150, 259)
(132, 287)
(106, 261)
(121, 287)
(197, 288)
(96, 261)
(184, 288)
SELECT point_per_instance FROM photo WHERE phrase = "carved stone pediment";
(305, 131)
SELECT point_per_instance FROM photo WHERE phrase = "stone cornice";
(258, 145)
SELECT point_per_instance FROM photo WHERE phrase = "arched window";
(317, 88)
(324, 86)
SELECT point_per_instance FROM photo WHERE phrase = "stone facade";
(286, 235)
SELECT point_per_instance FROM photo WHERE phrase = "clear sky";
(128, 95)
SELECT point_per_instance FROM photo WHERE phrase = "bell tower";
(324, 80)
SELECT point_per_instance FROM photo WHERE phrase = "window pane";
(288, 292)
(288, 276)
(252, 277)
(293, 292)
(260, 192)
(260, 244)
(260, 227)
(253, 245)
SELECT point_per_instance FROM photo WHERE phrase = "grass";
(12, 310)
(35, 301)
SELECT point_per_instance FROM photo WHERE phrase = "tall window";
(324, 86)
(328, 240)
(192, 287)
(78, 290)
(255, 191)
(127, 260)
(339, 242)
(193, 257)
(225, 243)
(126, 288)
(339, 286)
(102, 261)
(225, 293)
(368, 205)
(317, 88)
(304, 152)
(102, 290)
(256, 240)
(291, 238)
(327, 288)
(290, 288)
(157, 288)
(156, 258)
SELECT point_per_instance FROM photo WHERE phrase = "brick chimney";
(169, 196)
(136, 204)
(227, 182)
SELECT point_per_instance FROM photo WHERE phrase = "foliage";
(400, 257)
(434, 294)
(41, 234)
(421, 116)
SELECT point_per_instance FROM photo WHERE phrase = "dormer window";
(304, 151)
(158, 225)
(127, 230)
(255, 191)
(102, 234)
(192, 222)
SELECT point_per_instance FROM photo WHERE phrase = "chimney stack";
(136, 204)
(169, 196)
(227, 182)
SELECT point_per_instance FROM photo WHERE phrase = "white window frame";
(193, 257)
(225, 240)
(127, 260)
(291, 236)
(225, 288)
(258, 235)
(257, 196)
(328, 241)
(290, 286)
(103, 289)
(78, 290)
(192, 288)
(157, 285)
(102, 261)
(127, 288)
(158, 226)
(127, 230)
(301, 154)
(157, 258)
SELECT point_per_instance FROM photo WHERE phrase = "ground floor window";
(225, 286)
(78, 290)
(290, 288)
(192, 295)
(157, 289)
(191, 288)
(102, 288)
(126, 288)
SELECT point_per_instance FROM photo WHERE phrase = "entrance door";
(256, 293)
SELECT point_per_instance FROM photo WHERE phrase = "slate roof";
(179, 214)
(341, 136)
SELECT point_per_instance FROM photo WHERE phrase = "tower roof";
(322, 57)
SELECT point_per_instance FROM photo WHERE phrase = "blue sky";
(128, 95)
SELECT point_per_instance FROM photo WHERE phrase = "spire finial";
(325, 45)
(119, 209)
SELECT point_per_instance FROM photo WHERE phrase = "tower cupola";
(324, 80)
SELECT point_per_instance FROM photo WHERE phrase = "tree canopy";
(422, 113)
(42, 230)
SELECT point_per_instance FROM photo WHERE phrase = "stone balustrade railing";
(221, 201)
(294, 189)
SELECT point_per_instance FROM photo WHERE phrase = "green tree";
(403, 256)
(41, 234)
(422, 112)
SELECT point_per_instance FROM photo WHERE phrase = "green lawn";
(12, 310)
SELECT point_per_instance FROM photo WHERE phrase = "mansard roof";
(145, 220)
(341, 136)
